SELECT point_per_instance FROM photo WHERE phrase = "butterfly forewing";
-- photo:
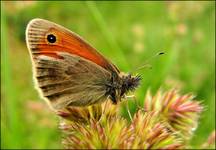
(38, 30)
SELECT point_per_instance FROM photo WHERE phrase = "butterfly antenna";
(146, 63)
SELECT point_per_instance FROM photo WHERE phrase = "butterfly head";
(121, 85)
(129, 83)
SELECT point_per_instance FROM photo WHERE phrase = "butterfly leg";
(129, 113)
(103, 111)
(136, 101)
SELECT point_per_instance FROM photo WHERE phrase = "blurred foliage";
(128, 33)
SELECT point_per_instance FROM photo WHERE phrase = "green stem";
(115, 49)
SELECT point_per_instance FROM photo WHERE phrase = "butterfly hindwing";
(71, 80)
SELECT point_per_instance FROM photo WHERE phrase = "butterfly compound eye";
(51, 38)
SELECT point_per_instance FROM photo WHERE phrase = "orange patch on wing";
(67, 42)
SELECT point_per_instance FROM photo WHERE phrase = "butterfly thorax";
(120, 85)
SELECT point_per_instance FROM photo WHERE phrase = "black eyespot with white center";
(51, 38)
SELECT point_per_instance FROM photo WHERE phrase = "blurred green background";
(127, 33)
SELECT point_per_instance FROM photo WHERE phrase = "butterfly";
(70, 72)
